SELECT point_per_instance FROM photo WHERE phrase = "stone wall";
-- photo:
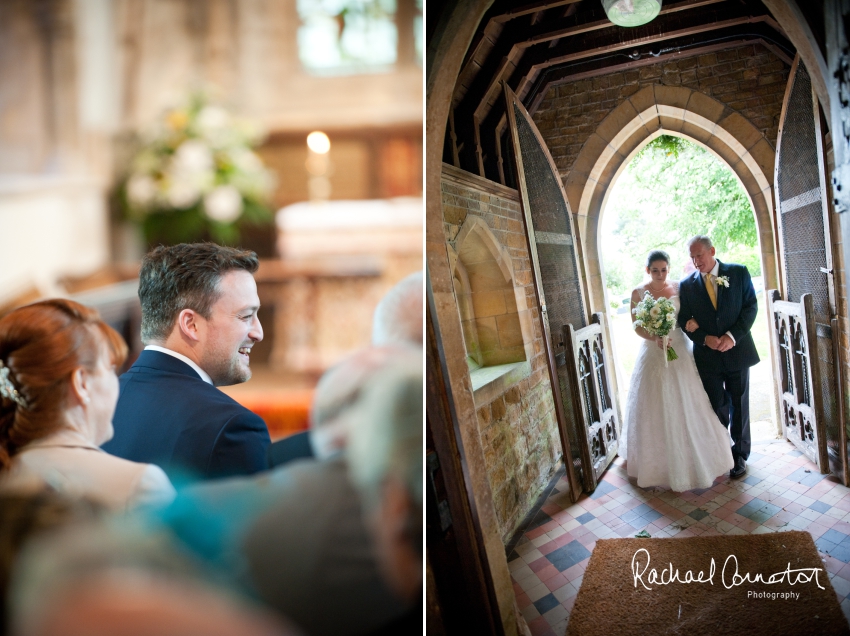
(518, 428)
(749, 79)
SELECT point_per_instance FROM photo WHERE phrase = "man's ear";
(188, 321)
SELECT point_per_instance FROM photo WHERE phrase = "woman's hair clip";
(7, 389)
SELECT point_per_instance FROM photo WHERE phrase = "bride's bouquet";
(658, 317)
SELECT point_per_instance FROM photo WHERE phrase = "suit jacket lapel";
(699, 281)
(721, 271)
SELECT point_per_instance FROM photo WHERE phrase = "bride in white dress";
(673, 437)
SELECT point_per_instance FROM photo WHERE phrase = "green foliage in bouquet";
(658, 317)
(196, 176)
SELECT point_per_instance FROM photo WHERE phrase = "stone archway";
(658, 110)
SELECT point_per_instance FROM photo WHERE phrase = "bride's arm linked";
(688, 323)
(691, 325)
(637, 295)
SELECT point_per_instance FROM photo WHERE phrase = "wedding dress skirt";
(673, 437)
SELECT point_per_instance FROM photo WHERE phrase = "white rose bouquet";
(196, 175)
(658, 317)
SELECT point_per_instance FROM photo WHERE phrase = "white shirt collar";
(714, 270)
(204, 375)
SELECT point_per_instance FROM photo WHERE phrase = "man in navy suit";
(199, 323)
(718, 308)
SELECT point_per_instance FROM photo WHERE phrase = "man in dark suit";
(199, 322)
(718, 308)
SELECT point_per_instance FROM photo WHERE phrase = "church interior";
(533, 111)
(87, 87)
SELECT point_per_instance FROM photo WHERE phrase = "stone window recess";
(493, 314)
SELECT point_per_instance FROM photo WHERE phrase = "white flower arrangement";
(657, 317)
(196, 173)
(723, 280)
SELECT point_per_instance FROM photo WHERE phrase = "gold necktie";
(709, 287)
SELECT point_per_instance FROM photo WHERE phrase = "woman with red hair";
(58, 391)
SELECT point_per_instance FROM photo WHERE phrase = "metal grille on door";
(556, 261)
(806, 249)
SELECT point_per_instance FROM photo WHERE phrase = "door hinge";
(443, 511)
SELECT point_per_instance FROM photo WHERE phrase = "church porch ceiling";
(539, 46)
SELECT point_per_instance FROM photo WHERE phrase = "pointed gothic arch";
(477, 227)
(674, 110)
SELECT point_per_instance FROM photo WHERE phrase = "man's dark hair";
(185, 276)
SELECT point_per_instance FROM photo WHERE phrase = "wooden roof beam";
(528, 77)
(573, 76)
(488, 40)
(490, 94)
(604, 24)
(533, 7)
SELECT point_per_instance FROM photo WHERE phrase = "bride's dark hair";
(657, 255)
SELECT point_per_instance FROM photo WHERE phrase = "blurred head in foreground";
(385, 453)
(27, 514)
(338, 391)
(399, 316)
(107, 580)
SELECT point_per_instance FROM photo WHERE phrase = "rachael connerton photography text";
(730, 575)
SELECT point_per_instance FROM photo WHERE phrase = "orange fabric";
(283, 414)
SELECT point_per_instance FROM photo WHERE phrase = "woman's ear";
(80, 385)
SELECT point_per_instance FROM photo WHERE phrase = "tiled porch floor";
(782, 491)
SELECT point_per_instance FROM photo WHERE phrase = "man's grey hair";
(184, 276)
(386, 441)
(700, 238)
(399, 316)
(338, 391)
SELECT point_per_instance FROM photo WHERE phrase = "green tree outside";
(672, 190)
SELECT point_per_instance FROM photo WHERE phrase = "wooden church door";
(809, 383)
(589, 425)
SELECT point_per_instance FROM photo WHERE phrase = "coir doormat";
(759, 585)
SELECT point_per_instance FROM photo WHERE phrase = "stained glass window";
(417, 31)
(342, 36)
